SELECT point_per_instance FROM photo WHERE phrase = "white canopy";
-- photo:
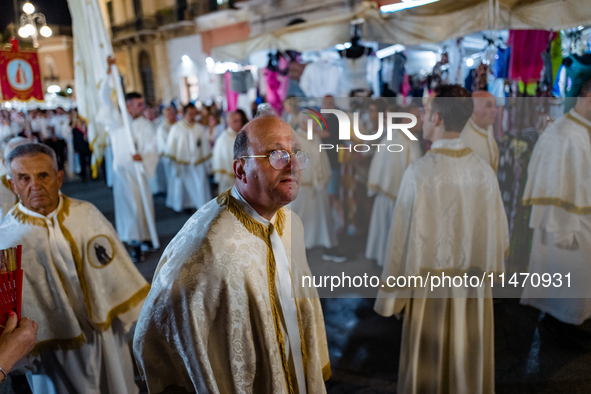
(436, 22)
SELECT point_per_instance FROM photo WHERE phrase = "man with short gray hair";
(79, 283)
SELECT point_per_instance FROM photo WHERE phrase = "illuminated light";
(8, 105)
(23, 32)
(45, 31)
(28, 8)
(210, 61)
(53, 89)
(347, 45)
(405, 5)
(186, 59)
(469, 62)
(392, 49)
(30, 30)
(432, 62)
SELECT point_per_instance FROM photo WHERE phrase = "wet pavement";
(364, 347)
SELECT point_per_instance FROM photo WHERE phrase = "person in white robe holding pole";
(449, 218)
(222, 157)
(385, 175)
(223, 315)
(189, 152)
(478, 133)
(559, 190)
(79, 284)
(134, 204)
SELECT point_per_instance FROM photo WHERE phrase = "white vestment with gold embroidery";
(559, 190)
(222, 160)
(131, 220)
(482, 142)
(189, 152)
(218, 319)
(449, 217)
(385, 174)
(82, 289)
(312, 204)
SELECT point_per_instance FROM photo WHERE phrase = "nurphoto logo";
(345, 129)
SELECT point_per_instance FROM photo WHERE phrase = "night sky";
(56, 11)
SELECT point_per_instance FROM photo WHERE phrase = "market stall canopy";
(435, 22)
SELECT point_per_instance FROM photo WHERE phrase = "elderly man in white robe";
(159, 182)
(134, 204)
(449, 218)
(559, 190)
(312, 204)
(478, 133)
(223, 315)
(189, 152)
(222, 157)
(385, 175)
(79, 283)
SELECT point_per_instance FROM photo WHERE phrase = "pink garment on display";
(526, 61)
(283, 79)
(405, 89)
(231, 95)
(273, 87)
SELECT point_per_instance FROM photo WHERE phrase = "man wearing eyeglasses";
(225, 314)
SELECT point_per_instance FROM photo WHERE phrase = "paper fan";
(11, 283)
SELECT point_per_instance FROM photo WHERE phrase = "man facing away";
(134, 204)
(449, 218)
(385, 174)
(223, 316)
(559, 190)
(188, 148)
(79, 283)
(478, 133)
(222, 159)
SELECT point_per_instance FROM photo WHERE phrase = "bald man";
(223, 315)
(478, 133)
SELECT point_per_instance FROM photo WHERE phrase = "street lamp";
(29, 20)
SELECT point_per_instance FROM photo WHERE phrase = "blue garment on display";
(501, 64)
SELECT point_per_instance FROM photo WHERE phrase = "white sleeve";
(108, 115)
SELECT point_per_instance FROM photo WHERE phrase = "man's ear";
(239, 170)
(60, 178)
(437, 121)
(11, 183)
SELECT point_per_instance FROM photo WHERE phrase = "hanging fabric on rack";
(527, 47)
(501, 64)
(323, 77)
(231, 96)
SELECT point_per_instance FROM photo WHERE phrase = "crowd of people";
(222, 313)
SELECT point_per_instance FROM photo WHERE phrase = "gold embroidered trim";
(379, 189)
(187, 163)
(23, 218)
(452, 152)
(124, 307)
(59, 344)
(326, 372)
(558, 202)
(262, 232)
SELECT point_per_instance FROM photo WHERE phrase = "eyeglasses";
(279, 159)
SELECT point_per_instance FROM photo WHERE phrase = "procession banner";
(20, 76)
